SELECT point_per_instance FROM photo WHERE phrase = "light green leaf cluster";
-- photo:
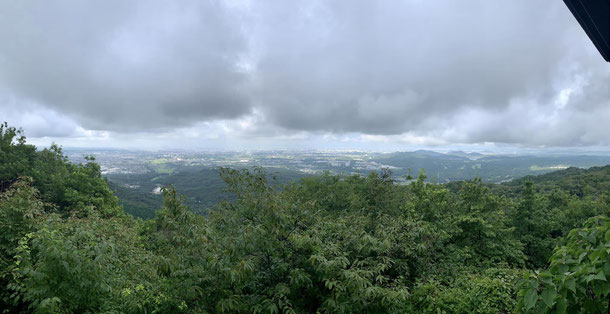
(576, 280)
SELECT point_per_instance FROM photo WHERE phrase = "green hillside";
(580, 182)
(202, 187)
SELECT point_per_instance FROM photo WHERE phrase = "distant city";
(440, 167)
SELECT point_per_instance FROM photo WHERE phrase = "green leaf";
(562, 306)
(571, 284)
(599, 276)
(548, 295)
(581, 256)
(531, 296)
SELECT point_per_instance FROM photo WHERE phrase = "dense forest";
(202, 187)
(334, 244)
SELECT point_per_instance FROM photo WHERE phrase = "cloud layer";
(475, 71)
(125, 65)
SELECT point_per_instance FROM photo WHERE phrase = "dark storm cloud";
(456, 71)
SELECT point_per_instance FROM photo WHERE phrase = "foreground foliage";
(576, 280)
(325, 244)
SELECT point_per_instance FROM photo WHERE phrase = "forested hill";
(581, 182)
(202, 187)
(326, 243)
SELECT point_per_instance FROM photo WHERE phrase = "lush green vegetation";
(324, 244)
(202, 187)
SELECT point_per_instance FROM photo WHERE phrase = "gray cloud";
(453, 71)
(125, 64)
(331, 61)
(36, 120)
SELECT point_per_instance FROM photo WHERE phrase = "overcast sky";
(301, 74)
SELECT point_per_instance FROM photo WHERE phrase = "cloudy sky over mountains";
(301, 74)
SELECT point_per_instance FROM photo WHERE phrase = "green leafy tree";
(533, 224)
(19, 210)
(91, 264)
(16, 157)
(63, 186)
(490, 291)
(484, 232)
(576, 280)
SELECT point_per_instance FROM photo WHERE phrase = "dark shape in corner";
(594, 17)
